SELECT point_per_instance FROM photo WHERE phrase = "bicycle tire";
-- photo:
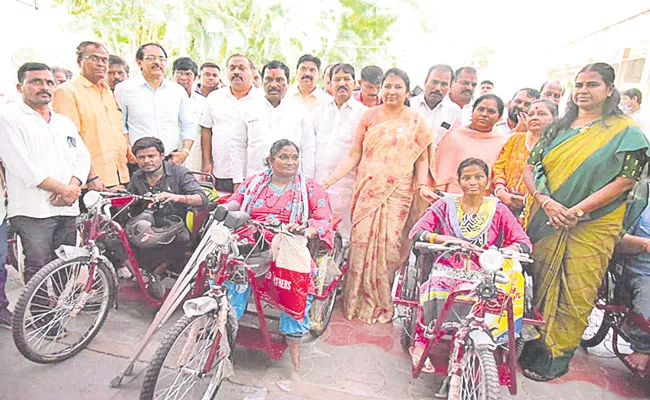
(326, 307)
(488, 386)
(601, 332)
(24, 303)
(153, 372)
(604, 296)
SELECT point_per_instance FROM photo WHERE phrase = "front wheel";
(177, 370)
(479, 379)
(55, 317)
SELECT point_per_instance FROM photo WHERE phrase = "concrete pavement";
(350, 361)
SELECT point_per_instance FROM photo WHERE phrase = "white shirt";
(444, 116)
(165, 113)
(194, 159)
(466, 114)
(639, 118)
(32, 150)
(222, 111)
(3, 197)
(262, 125)
(335, 129)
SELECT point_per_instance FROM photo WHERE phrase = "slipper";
(532, 375)
(427, 368)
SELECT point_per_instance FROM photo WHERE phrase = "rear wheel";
(54, 317)
(410, 292)
(479, 379)
(597, 323)
(176, 371)
(321, 310)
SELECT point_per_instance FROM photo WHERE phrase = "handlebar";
(452, 246)
(279, 228)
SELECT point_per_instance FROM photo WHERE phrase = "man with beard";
(46, 163)
(118, 71)
(89, 103)
(267, 120)
(369, 86)
(517, 112)
(154, 106)
(335, 125)
(435, 103)
(462, 89)
(307, 72)
(223, 109)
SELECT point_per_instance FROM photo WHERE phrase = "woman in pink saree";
(392, 164)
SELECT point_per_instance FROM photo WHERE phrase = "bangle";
(186, 151)
(94, 178)
(500, 187)
(535, 193)
(422, 186)
(546, 202)
(432, 238)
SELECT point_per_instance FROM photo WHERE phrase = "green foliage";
(351, 30)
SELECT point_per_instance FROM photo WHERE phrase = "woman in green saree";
(580, 173)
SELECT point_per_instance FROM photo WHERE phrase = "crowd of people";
(364, 146)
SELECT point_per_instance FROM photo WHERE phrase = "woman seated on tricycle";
(473, 220)
(282, 194)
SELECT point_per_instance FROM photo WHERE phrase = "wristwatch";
(579, 213)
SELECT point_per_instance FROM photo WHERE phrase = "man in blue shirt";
(636, 244)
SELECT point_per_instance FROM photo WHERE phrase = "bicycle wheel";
(49, 323)
(176, 372)
(410, 292)
(597, 326)
(321, 310)
(480, 378)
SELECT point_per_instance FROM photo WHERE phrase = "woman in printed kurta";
(472, 219)
(580, 173)
(392, 164)
(282, 193)
(508, 170)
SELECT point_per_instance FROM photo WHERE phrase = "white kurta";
(262, 125)
(335, 129)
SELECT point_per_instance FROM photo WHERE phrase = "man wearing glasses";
(154, 106)
(89, 103)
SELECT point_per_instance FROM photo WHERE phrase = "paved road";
(351, 361)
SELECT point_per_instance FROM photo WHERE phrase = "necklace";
(277, 192)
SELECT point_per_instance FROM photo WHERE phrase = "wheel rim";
(472, 385)
(50, 327)
(180, 375)
(594, 322)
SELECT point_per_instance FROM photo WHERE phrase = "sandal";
(415, 359)
(532, 375)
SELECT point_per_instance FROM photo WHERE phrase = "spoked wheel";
(410, 292)
(55, 318)
(176, 371)
(480, 378)
(597, 326)
(321, 310)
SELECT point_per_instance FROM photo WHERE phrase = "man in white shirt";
(267, 120)
(307, 73)
(46, 163)
(631, 104)
(434, 102)
(154, 106)
(335, 125)
(462, 91)
(515, 119)
(222, 111)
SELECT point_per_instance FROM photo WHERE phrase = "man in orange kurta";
(89, 103)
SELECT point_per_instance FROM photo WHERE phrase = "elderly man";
(631, 103)
(88, 102)
(335, 124)
(515, 119)
(46, 163)
(307, 73)
(369, 86)
(154, 106)
(223, 109)
(434, 102)
(267, 120)
(552, 90)
(462, 89)
(118, 71)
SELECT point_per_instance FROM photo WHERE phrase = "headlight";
(219, 234)
(491, 260)
(92, 199)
